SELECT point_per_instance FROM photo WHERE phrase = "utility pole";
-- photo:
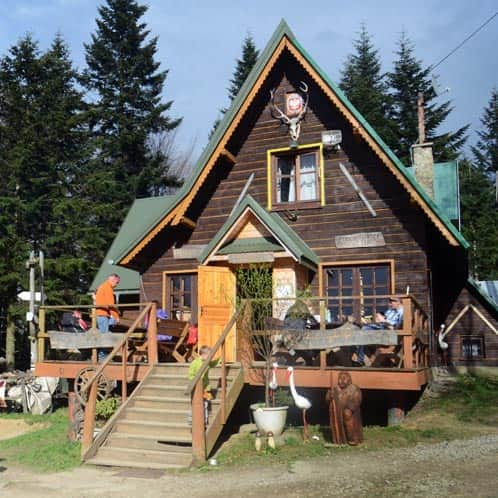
(31, 317)
(421, 118)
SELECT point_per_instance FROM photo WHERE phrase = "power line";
(464, 41)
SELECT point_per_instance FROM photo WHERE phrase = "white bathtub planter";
(269, 419)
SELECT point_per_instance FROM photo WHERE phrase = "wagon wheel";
(104, 387)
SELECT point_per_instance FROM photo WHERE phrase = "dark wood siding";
(472, 324)
(401, 222)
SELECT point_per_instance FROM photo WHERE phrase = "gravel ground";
(458, 468)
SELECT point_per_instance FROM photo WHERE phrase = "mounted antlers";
(294, 122)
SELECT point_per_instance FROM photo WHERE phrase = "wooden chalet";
(293, 178)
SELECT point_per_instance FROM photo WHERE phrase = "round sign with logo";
(294, 104)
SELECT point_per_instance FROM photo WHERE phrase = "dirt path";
(459, 468)
(15, 427)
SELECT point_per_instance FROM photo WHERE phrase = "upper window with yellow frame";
(295, 177)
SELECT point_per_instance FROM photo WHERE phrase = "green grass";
(473, 399)
(47, 449)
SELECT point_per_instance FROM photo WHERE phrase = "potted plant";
(255, 283)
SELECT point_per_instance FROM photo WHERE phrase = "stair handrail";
(89, 419)
(195, 390)
(104, 432)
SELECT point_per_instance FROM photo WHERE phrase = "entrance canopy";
(253, 235)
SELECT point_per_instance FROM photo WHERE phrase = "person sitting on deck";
(395, 312)
(73, 322)
(391, 319)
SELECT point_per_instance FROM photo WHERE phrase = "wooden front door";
(216, 298)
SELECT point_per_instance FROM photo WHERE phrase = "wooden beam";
(225, 152)
(188, 222)
(365, 378)
(357, 189)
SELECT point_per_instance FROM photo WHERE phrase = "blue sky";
(199, 42)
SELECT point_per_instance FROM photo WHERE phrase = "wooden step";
(173, 402)
(178, 379)
(157, 429)
(119, 461)
(134, 441)
(156, 414)
(150, 456)
(163, 390)
(152, 431)
(159, 402)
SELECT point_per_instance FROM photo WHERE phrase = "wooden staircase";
(151, 429)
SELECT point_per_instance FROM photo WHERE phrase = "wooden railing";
(88, 311)
(90, 389)
(413, 335)
(196, 391)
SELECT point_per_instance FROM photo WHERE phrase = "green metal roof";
(251, 244)
(283, 233)
(446, 191)
(143, 213)
(283, 30)
(446, 187)
(474, 286)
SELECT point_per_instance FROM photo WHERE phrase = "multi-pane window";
(296, 177)
(355, 291)
(472, 347)
(182, 296)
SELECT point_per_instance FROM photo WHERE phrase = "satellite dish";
(436, 87)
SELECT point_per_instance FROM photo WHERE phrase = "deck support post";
(89, 422)
(198, 422)
(396, 409)
(73, 406)
(152, 351)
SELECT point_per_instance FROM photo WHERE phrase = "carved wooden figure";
(344, 409)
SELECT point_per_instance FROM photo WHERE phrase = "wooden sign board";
(251, 257)
(347, 335)
(83, 340)
(188, 251)
(364, 239)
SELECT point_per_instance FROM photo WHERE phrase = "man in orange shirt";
(105, 301)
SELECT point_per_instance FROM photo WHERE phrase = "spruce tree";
(485, 151)
(42, 146)
(364, 84)
(406, 81)
(479, 221)
(242, 69)
(127, 112)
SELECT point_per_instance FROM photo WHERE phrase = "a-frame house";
(321, 199)
(398, 235)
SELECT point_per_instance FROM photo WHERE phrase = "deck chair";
(171, 340)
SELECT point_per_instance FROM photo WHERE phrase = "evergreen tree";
(486, 149)
(127, 111)
(479, 221)
(42, 142)
(408, 79)
(242, 69)
(364, 85)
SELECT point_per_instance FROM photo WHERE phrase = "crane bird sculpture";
(273, 384)
(300, 401)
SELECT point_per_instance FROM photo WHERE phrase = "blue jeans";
(103, 324)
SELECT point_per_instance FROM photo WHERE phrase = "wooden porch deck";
(389, 379)
(395, 379)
